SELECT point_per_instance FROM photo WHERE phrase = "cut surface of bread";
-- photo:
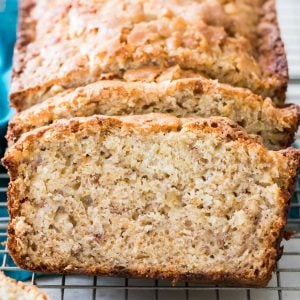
(11, 289)
(149, 196)
(63, 44)
(182, 97)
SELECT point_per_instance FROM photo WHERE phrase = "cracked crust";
(181, 97)
(287, 162)
(13, 289)
(272, 55)
(258, 68)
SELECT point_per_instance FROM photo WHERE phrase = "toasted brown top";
(65, 44)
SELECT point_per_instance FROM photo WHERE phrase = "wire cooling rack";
(285, 283)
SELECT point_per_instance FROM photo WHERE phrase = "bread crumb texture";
(11, 289)
(71, 43)
(152, 196)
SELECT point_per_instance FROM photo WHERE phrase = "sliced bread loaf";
(149, 196)
(67, 44)
(181, 97)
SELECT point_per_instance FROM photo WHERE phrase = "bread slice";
(11, 289)
(149, 196)
(64, 44)
(182, 97)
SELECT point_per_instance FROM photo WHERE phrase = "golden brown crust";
(18, 285)
(25, 35)
(219, 278)
(293, 158)
(26, 29)
(224, 128)
(272, 55)
(268, 66)
(121, 98)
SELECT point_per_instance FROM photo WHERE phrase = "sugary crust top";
(71, 43)
(83, 101)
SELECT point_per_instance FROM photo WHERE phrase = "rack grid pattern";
(285, 283)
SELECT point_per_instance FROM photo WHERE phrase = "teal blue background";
(8, 21)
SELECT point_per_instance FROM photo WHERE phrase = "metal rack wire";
(285, 283)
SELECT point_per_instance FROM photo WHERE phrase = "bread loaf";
(149, 196)
(64, 44)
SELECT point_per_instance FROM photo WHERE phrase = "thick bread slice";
(183, 97)
(11, 289)
(149, 196)
(64, 44)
